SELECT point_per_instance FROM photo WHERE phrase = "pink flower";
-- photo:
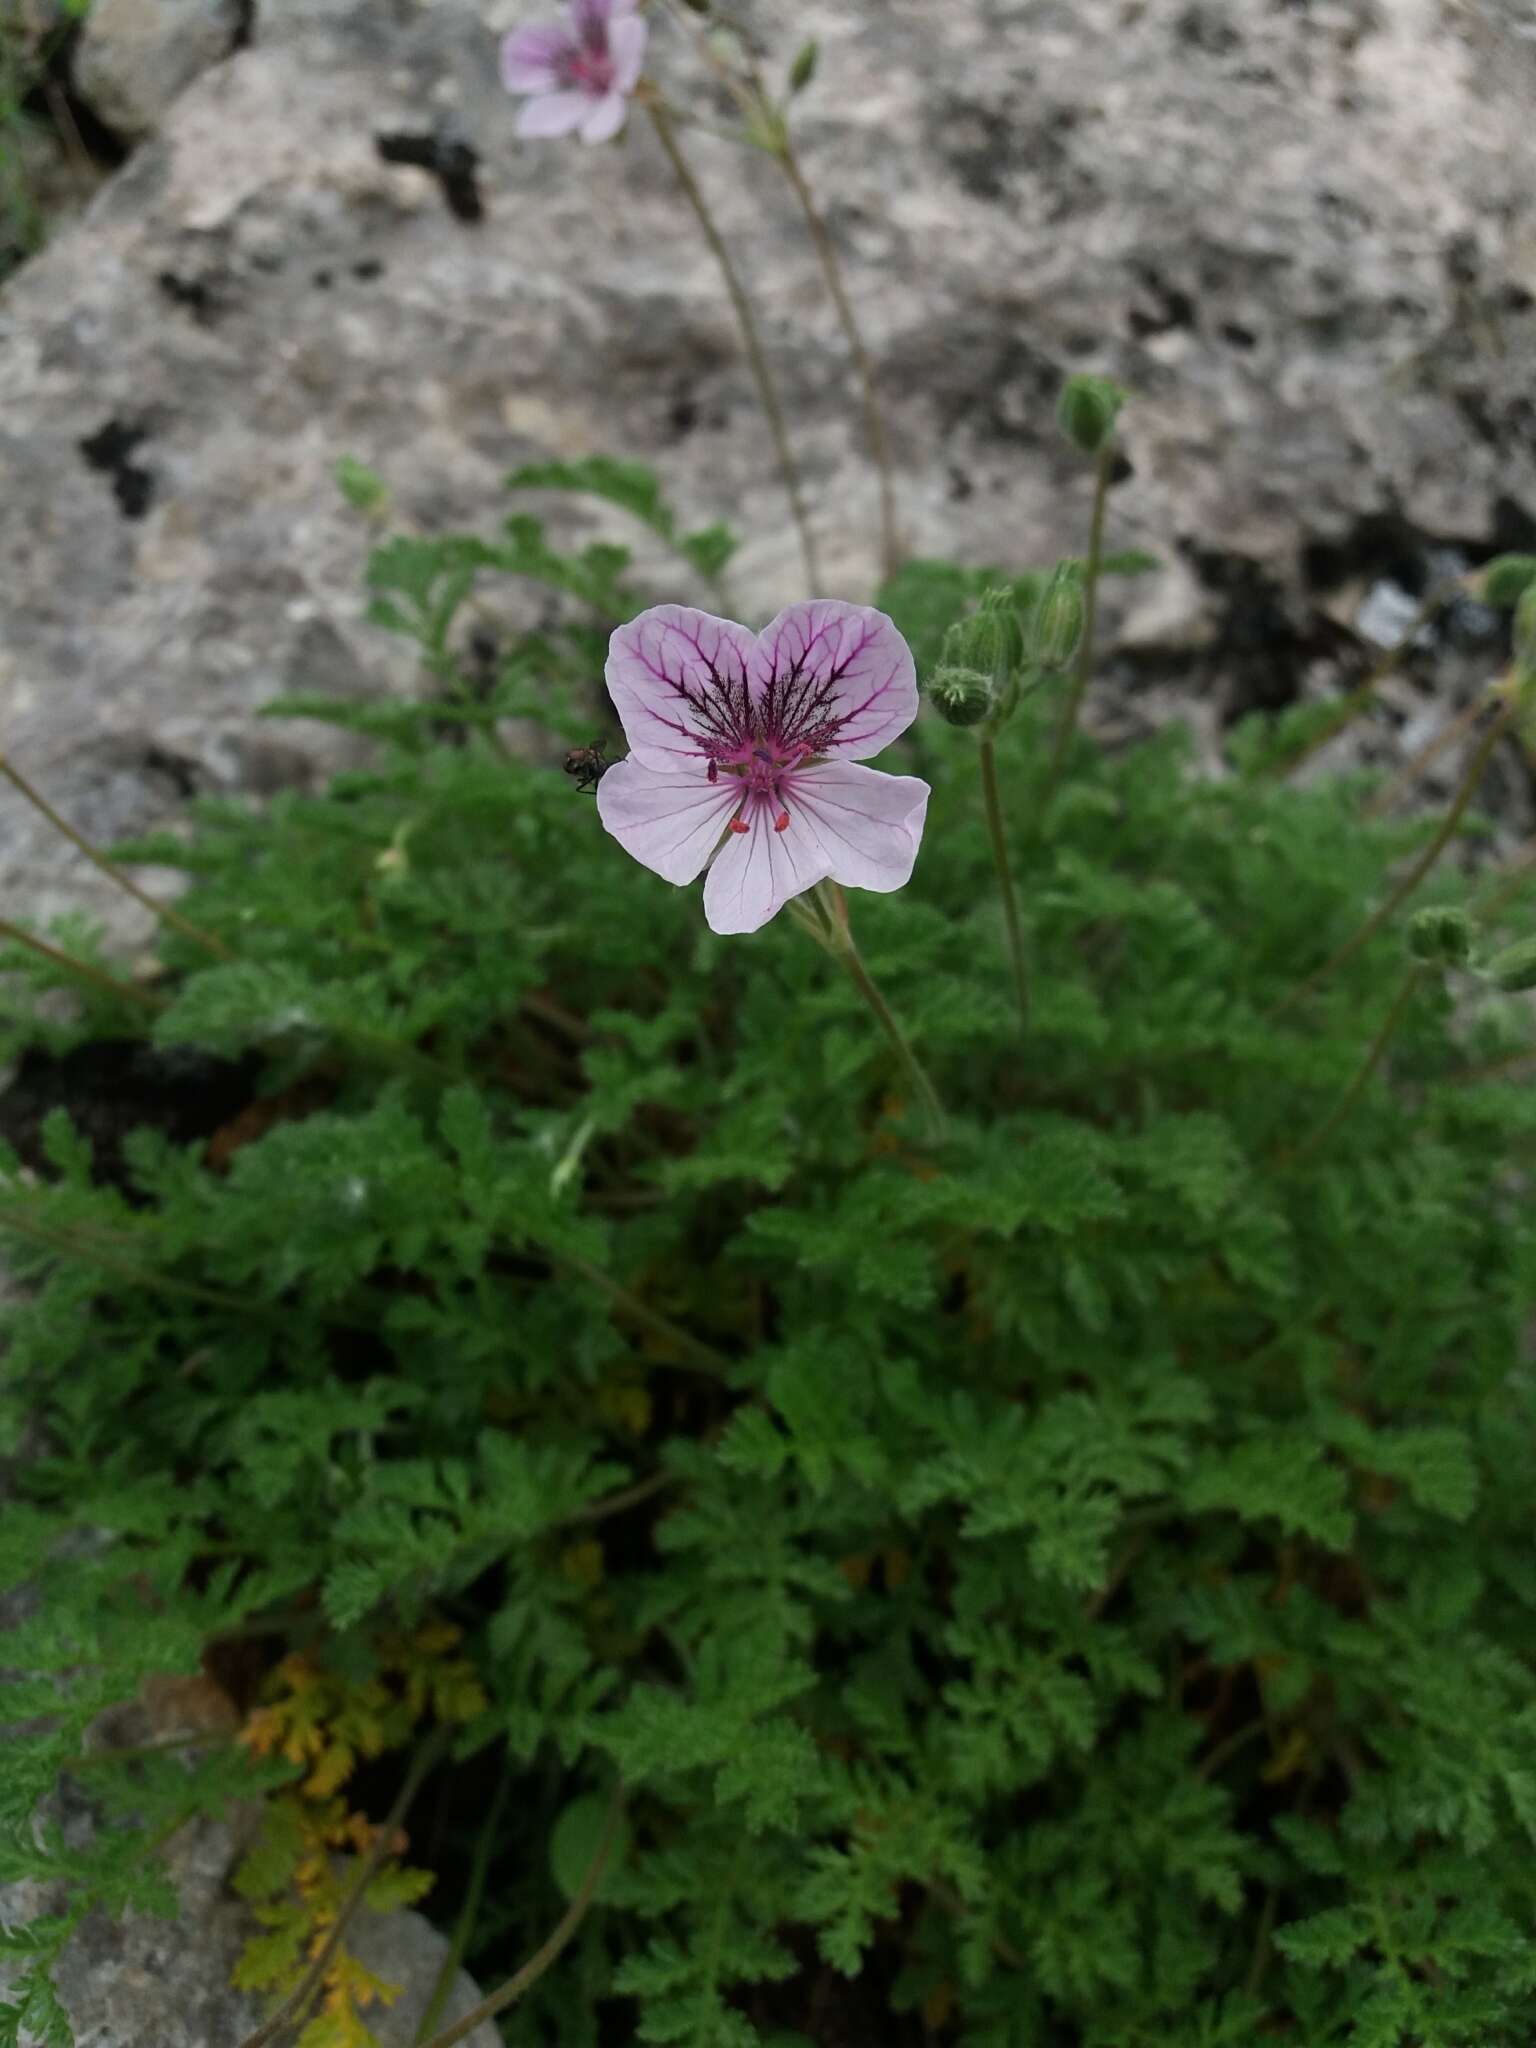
(744, 751)
(580, 71)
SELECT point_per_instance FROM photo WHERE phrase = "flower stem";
(1415, 874)
(1391, 658)
(552, 1947)
(767, 394)
(1427, 755)
(1368, 1066)
(163, 911)
(1067, 724)
(97, 977)
(874, 415)
(691, 1348)
(836, 936)
(994, 809)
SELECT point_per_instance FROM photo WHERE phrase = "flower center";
(589, 68)
(765, 769)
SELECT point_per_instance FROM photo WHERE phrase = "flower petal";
(756, 872)
(867, 824)
(626, 46)
(669, 820)
(836, 677)
(589, 18)
(552, 113)
(677, 675)
(605, 118)
(532, 58)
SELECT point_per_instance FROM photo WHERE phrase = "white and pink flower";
(580, 73)
(744, 753)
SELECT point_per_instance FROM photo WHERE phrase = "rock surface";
(1305, 236)
(143, 1982)
(135, 56)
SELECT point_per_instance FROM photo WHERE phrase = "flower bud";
(803, 70)
(1086, 411)
(1514, 969)
(1506, 580)
(1056, 626)
(961, 696)
(1440, 937)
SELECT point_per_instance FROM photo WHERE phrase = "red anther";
(740, 825)
(714, 771)
(781, 822)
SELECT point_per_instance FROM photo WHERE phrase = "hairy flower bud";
(1440, 937)
(1514, 969)
(1506, 579)
(1056, 626)
(1086, 411)
(803, 70)
(961, 696)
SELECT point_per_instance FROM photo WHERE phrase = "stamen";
(739, 825)
(781, 822)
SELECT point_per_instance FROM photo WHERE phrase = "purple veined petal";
(589, 19)
(836, 677)
(670, 820)
(756, 872)
(605, 117)
(626, 46)
(868, 824)
(533, 58)
(552, 113)
(676, 677)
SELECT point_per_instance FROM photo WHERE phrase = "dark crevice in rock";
(200, 297)
(185, 776)
(54, 100)
(110, 450)
(1259, 651)
(453, 162)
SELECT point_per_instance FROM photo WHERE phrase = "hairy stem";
(1368, 1066)
(691, 1348)
(763, 377)
(162, 911)
(97, 977)
(836, 936)
(550, 1950)
(1415, 875)
(1066, 726)
(293, 2007)
(995, 832)
(1427, 755)
(874, 416)
(464, 1926)
(1386, 663)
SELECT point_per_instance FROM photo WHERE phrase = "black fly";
(586, 766)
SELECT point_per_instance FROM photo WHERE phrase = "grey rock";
(145, 1982)
(1304, 237)
(135, 56)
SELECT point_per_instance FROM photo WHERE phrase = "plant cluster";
(1065, 1577)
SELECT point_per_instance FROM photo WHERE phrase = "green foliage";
(1072, 1580)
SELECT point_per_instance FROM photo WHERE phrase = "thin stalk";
(1427, 755)
(1490, 1070)
(550, 1950)
(292, 2009)
(874, 415)
(1415, 874)
(69, 1244)
(1368, 1066)
(1067, 724)
(767, 394)
(994, 809)
(1386, 663)
(99, 861)
(464, 1926)
(691, 1348)
(1508, 884)
(97, 977)
(836, 936)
